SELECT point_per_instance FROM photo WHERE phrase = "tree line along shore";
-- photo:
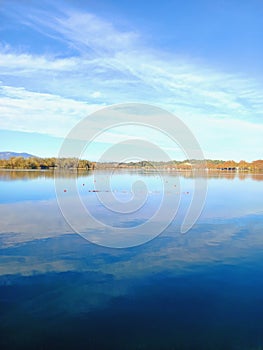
(45, 163)
(74, 163)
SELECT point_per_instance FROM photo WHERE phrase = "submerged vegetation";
(74, 163)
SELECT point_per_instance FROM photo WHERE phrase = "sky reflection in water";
(202, 290)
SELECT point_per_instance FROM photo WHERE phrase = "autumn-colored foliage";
(45, 163)
(74, 163)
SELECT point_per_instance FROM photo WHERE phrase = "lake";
(199, 290)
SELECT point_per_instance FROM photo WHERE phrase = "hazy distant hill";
(8, 155)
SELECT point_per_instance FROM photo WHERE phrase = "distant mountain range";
(8, 155)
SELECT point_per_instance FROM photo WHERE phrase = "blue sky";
(201, 60)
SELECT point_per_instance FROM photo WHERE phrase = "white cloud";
(114, 67)
(25, 110)
(26, 63)
(96, 94)
(95, 32)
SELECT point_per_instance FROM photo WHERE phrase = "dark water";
(201, 290)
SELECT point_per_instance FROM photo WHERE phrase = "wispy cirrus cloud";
(114, 65)
(114, 58)
(25, 63)
(51, 114)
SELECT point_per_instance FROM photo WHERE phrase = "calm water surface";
(201, 290)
